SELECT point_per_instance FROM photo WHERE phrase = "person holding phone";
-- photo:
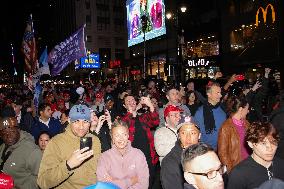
(70, 159)
(139, 131)
(100, 127)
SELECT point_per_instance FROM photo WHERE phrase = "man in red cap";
(98, 104)
(60, 109)
(166, 137)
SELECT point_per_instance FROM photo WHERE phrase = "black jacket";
(171, 169)
(188, 186)
(250, 174)
(276, 119)
(255, 102)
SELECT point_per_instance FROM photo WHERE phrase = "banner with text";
(67, 51)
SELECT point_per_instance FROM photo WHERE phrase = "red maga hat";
(171, 108)
(99, 95)
(6, 181)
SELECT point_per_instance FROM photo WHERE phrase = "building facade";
(105, 32)
(251, 36)
(235, 36)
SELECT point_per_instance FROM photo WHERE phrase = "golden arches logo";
(264, 14)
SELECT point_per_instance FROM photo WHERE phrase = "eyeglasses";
(212, 174)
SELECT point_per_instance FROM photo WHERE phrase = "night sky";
(14, 16)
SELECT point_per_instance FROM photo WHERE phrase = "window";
(104, 41)
(208, 46)
(89, 38)
(103, 16)
(246, 7)
(119, 54)
(232, 8)
(87, 3)
(118, 41)
(88, 19)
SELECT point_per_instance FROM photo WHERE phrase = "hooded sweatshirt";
(23, 163)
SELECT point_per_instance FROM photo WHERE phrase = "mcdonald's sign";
(264, 13)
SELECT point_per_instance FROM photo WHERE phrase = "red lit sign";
(135, 72)
(114, 63)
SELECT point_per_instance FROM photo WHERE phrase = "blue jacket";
(219, 117)
(54, 128)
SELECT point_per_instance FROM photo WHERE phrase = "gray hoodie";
(23, 163)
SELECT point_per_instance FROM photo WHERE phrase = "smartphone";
(86, 142)
(240, 77)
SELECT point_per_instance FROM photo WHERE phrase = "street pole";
(144, 21)
(144, 57)
(159, 68)
(177, 77)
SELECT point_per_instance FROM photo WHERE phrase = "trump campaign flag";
(67, 51)
(29, 48)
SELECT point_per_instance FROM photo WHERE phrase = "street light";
(169, 15)
(183, 9)
(92, 72)
(144, 22)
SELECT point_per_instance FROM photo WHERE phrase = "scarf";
(209, 120)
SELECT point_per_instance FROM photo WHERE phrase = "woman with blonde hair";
(123, 165)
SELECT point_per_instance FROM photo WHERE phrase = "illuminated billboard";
(91, 61)
(154, 10)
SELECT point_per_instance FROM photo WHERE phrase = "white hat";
(80, 90)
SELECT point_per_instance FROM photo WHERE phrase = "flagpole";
(35, 66)
(32, 23)
(13, 61)
(32, 29)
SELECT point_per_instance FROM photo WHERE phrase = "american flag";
(29, 48)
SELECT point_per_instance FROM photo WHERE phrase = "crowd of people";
(141, 134)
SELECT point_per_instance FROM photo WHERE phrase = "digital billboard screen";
(154, 10)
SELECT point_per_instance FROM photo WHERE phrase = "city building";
(105, 33)
(241, 37)
(251, 36)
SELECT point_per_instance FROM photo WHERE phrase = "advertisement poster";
(154, 10)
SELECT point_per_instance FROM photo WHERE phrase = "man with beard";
(67, 164)
(20, 156)
(173, 96)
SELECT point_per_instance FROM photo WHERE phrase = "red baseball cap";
(99, 95)
(6, 181)
(171, 108)
(60, 101)
(66, 94)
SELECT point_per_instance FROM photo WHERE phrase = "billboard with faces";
(154, 10)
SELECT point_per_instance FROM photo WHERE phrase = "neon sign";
(264, 13)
